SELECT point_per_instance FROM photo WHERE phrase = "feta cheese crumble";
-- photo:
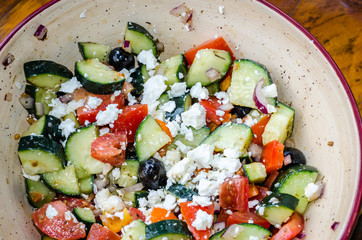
(221, 9)
(68, 127)
(153, 89)
(203, 220)
(177, 89)
(195, 116)
(270, 91)
(82, 15)
(168, 106)
(109, 115)
(147, 58)
(199, 92)
(51, 212)
(70, 85)
(93, 102)
(313, 191)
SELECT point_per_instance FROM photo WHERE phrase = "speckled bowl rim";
(357, 201)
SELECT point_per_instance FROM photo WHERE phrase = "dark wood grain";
(336, 26)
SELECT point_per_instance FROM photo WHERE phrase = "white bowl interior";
(304, 77)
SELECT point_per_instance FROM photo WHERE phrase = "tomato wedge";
(159, 214)
(233, 194)
(291, 228)
(258, 130)
(88, 114)
(263, 192)
(136, 214)
(74, 202)
(247, 217)
(215, 43)
(129, 120)
(110, 148)
(57, 222)
(189, 212)
(272, 156)
(224, 215)
(212, 105)
(98, 232)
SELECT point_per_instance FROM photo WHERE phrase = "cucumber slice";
(46, 74)
(64, 181)
(78, 152)
(43, 97)
(137, 230)
(170, 229)
(213, 88)
(280, 125)
(86, 185)
(139, 38)
(38, 193)
(294, 181)
(246, 74)
(163, 98)
(72, 117)
(205, 60)
(47, 126)
(149, 138)
(230, 135)
(91, 50)
(199, 136)
(255, 172)
(242, 231)
(97, 77)
(40, 155)
(181, 191)
(85, 215)
(174, 69)
(139, 77)
(129, 173)
(182, 103)
(277, 208)
(135, 196)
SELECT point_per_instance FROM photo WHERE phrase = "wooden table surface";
(336, 26)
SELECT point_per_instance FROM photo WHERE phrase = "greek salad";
(190, 147)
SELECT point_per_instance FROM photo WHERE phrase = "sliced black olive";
(131, 152)
(152, 174)
(296, 156)
(240, 111)
(119, 59)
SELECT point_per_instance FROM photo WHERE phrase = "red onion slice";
(127, 46)
(232, 232)
(226, 107)
(260, 101)
(218, 226)
(26, 101)
(133, 188)
(177, 11)
(8, 59)
(301, 236)
(213, 74)
(41, 32)
(335, 226)
(66, 98)
(39, 109)
(287, 160)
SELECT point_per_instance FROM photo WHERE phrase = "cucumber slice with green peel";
(84, 215)
(230, 135)
(149, 138)
(43, 97)
(242, 231)
(40, 155)
(90, 50)
(163, 98)
(86, 185)
(46, 74)
(63, 181)
(213, 88)
(255, 172)
(47, 126)
(72, 117)
(139, 38)
(199, 136)
(139, 77)
(280, 125)
(136, 230)
(170, 229)
(129, 173)
(183, 103)
(245, 76)
(277, 208)
(78, 152)
(208, 60)
(97, 77)
(174, 69)
(38, 193)
(135, 196)
(181, 191)
(293, 181)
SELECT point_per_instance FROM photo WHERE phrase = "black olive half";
(296, 156)
(119, 59)
(240, 111)
(152, 174)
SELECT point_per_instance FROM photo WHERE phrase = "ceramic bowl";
(306, 76)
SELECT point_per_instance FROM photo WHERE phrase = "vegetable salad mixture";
(131, 147)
